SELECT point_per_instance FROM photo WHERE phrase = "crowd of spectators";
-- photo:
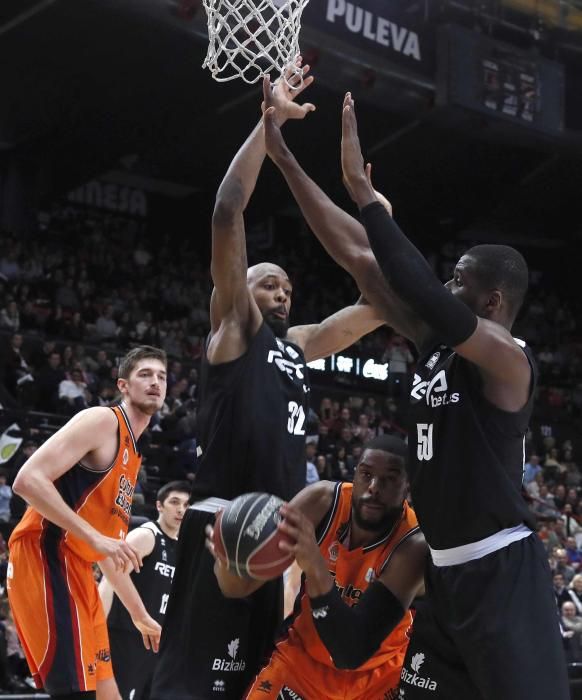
(73, 299)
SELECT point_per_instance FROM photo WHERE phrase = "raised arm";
(489, 345)
(230, 298)
(343, 237)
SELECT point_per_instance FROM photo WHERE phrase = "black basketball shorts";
(488, 630)
(133, 664)
(211, 646)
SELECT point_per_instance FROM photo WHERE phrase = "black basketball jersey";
(251, 424)
(466, 455)
(153, 582)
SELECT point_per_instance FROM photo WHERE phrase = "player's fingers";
(288, 547)
(301, 80)
(267, 96)
(155, 643)
(294, 77)
(369, 172)
(290, 530)
(289, 513)
(146, 640)
(133, 559)
(210, 547)
(346, 124)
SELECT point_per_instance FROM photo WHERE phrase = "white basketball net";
(248, 38)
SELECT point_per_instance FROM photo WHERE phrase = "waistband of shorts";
(479, 549)
(210, 505)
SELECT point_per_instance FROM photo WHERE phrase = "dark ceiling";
(98, 85)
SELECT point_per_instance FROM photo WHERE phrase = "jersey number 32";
(296, 419)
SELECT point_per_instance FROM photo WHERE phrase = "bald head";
(271, 289)
(265, 269)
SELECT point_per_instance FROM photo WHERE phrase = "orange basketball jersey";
(102, 498)
(353, 570)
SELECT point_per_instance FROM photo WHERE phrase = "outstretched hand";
(282, 94)
(354, 173)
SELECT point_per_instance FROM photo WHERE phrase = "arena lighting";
(342, 365)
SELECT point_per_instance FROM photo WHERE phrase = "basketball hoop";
(249, 38)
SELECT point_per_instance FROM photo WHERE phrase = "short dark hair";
(128, 363)
(388, 443)
(166, 489)
(502, 267)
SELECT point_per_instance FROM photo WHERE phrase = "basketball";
(246, 538)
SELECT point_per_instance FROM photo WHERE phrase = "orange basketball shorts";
(292, 674)
(58, 614)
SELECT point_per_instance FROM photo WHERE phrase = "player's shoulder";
(409, 554)
(143, 538)
(96, 417)
(315, 500)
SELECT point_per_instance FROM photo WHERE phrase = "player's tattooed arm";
(231, 301)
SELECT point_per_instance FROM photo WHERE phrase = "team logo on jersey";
(435, 392)
(413, 677)
(417, 661)
(164, 555)
(165, 569)
(433, 360)
(292, 353)
(230, 664)
(349, 592)
(287, 366)
(125, 458)
(370, 575)
(265, 687)
(103, 655)
(218, 686)
(333, 551)
(124, 496)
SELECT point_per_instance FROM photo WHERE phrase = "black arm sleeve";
(353, 634)
(411, 277)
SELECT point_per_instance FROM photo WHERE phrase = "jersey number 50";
(424, 447)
